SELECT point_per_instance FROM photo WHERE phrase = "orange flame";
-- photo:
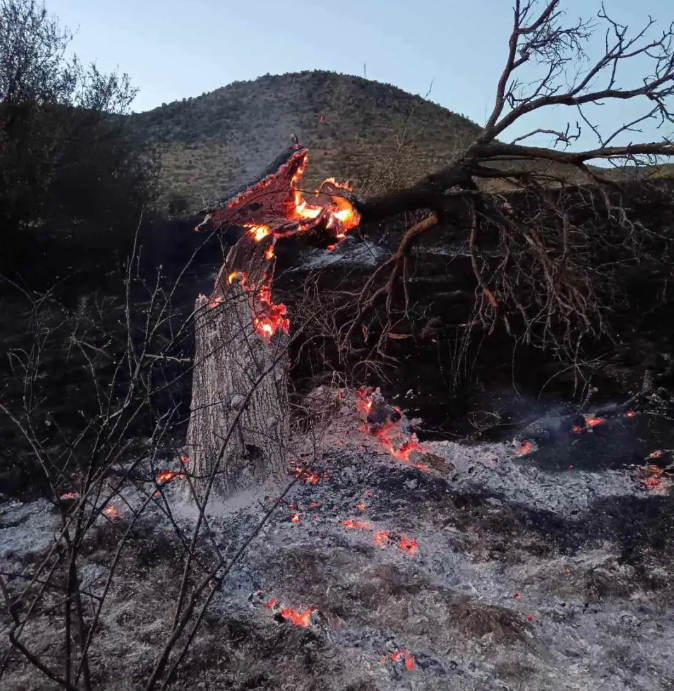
(258, 232)
(70, 495)
(111, 511)
(655, 454)
(630, 413)
(593, 421)
(297, 618)
(329, 207)
(389, 435)
(295, 518)
(167, 475)
(271, 603)
(408, 545)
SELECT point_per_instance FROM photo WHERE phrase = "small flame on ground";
(70, 495)
(111, 512)
(655, 454)
(630, 413)
(297, 618)
(184, 459)
(295, 518)
(591, 421)
(168, 475)
(272, 603)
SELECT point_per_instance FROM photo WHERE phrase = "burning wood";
(165, 476)
(70, 496)
(111, 512)
(270, 208)
(589, 421)
(383, 422)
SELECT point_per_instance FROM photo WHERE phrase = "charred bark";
(239, 413)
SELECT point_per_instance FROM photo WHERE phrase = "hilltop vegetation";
(354, 128)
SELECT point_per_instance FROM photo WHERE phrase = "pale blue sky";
(179, 48)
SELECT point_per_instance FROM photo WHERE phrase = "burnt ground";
(520, 576)
(568, 528)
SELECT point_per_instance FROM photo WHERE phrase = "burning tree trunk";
(239, 418)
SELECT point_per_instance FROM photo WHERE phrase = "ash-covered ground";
(453, 567)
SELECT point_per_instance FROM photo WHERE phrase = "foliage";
(64, 151)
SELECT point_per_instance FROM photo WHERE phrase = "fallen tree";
(540, 284)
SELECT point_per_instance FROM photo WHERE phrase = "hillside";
(354, 127)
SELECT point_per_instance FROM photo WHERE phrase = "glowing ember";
(111, 512)
(184, 459)
(381, 538)
(363, 400)
(398, 655)
(356, 525)
(577, 430)
(630, 413)
(297, 618)
(526, 447)
(361, 507)
(167, 475)
(408, 545)
(653, 477)
(70, 495)
(295, 518)
(259, 232)
(593, 421)
(389, 435)
(655, 454)
(272, 603)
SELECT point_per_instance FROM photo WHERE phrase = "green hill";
(374, 134)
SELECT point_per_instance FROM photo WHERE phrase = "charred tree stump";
(239, 414)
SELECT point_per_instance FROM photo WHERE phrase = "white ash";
(521, 578)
